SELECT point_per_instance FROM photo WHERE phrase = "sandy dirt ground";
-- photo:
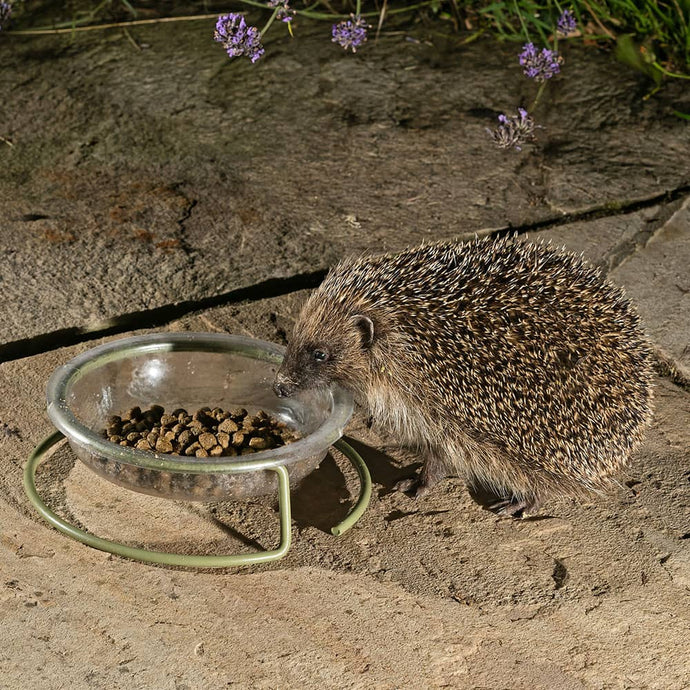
(165, 188)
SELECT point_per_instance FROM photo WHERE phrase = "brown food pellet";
(228, 426)
(258, 443)
(185, 437)
(204, 433)
(133, 413)
(207, 440)
(163, 445)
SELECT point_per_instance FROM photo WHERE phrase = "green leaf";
(628, 52)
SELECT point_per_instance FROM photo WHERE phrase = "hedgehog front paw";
(412, 486)
(516, 507)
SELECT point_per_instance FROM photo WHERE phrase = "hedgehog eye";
(320, 355)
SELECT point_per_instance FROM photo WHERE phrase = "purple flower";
(5, 12)
(238, 38)
(350, 33)
(285, 14)
(513, 132)
(566, 23)
(539, 66)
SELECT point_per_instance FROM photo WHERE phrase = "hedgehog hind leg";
(434, 469)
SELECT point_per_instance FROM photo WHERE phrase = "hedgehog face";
(324, 351)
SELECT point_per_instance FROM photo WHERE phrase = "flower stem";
(270, 21)
(542, 86)
(670, 74)
(522, 21)
(76, 26)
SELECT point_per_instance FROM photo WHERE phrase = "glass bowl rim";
(122, 348)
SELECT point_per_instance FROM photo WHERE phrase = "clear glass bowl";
(190, 370)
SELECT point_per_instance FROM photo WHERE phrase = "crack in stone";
(625, 249)
(607, 210)
(156, 317)
(186, 215)
(276, 287)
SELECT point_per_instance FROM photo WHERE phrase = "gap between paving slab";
(464, 595)
(273, 287)
(181, 192)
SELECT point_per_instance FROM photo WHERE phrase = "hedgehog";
(514, 365)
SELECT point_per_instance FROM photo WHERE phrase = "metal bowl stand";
(198, 561)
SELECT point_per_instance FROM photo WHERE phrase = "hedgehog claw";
(511, 507)
(411, 485)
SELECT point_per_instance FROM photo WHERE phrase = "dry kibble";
(163, 445)
(205, 433)
(228, 426)
(134, 413)
(192, 449)
(258, 443)
(207, 440)
(185, 437)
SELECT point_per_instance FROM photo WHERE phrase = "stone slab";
(648, 254)
(429, 593)
(140, 178)
(657, 277)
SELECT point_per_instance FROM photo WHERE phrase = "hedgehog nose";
(282, 388)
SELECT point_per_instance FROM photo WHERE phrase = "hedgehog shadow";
(323, 499)
(387, 472)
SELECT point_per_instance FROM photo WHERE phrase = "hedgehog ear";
(365, 326)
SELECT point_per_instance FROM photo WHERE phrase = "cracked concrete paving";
(434, 593)
(171, 175)
(430, 593)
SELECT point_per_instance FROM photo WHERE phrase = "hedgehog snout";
(283, 387)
